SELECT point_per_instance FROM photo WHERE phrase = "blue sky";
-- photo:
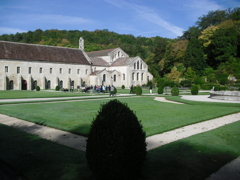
(148, 18)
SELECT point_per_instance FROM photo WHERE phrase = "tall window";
(134, 65)
(40, 70)
(18, 70)
(104, 77)
(123, 76)
(141, 66)
(78, 71)
(132, 76)
(138, 65)
(86, 71)
(69, 71)
(114, 78)
(50, 70)
(6, 69)
(137, 76)
(29, 70)
(60, 70)
(142, 77)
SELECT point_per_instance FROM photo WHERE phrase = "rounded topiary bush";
(175, 91)
(57, 88)
(194, 89)
(123, 87)
(37, 88)
(160, 90)
(115, 90)
(138, 90)
(134, 89)
(116, 147)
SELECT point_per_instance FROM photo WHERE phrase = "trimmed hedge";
(160, 90)
(116, 147)
(194, 89)
(175, 91)
(138, 90)
(37, 88)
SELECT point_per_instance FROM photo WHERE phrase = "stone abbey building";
(25, 66)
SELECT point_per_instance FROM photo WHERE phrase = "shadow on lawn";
(182, 161)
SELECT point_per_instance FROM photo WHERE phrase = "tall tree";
(194, 56)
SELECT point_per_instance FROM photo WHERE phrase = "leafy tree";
(194, 56)
(223, 45)
(212, 18)
(174, 75)
(192, 32)
(190, 73)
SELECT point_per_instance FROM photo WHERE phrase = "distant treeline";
(211, 46)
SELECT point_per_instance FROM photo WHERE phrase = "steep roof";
(99, 53)
(32, 52)
(123, 61)
(98, 61)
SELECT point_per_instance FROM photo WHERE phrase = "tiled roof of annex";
(99, 53)
(123, 61)
(96, 61)
(33, 52)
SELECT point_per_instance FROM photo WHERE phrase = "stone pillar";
(5, 83)
(29, 85)
(19, 82)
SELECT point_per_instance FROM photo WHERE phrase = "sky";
(146, 18)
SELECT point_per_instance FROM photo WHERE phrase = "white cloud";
(4, 30)
(149, 15)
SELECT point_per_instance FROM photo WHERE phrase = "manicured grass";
(156, 117)
(195, 157)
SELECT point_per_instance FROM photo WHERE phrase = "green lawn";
(156, 117)
(195, 157)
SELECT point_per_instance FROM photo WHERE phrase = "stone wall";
(225, 95)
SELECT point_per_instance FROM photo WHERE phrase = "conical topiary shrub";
(194, 89)
(116, 147)
(175, 91)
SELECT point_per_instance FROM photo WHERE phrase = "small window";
(86, 71)
(69, 71)
(40, 70)
(50, 70)
(78, 71)
(18, 70)
(6, 69)
(60, 70)
(123, 76)
(29, 70)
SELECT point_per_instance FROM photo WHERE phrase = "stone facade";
(25, 66)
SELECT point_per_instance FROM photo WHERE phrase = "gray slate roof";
(99, 53)
(32, 52)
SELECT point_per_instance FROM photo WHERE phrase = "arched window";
(123, 76)
(134, 65)
(132, 76)
(138, 65)
(104, 77)
(118, 53)
(137, 76)
(141, 66)
(11, 85)
(142, 77)
(114, 78)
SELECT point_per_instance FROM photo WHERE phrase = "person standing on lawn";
(150, 89)
(112, 90)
